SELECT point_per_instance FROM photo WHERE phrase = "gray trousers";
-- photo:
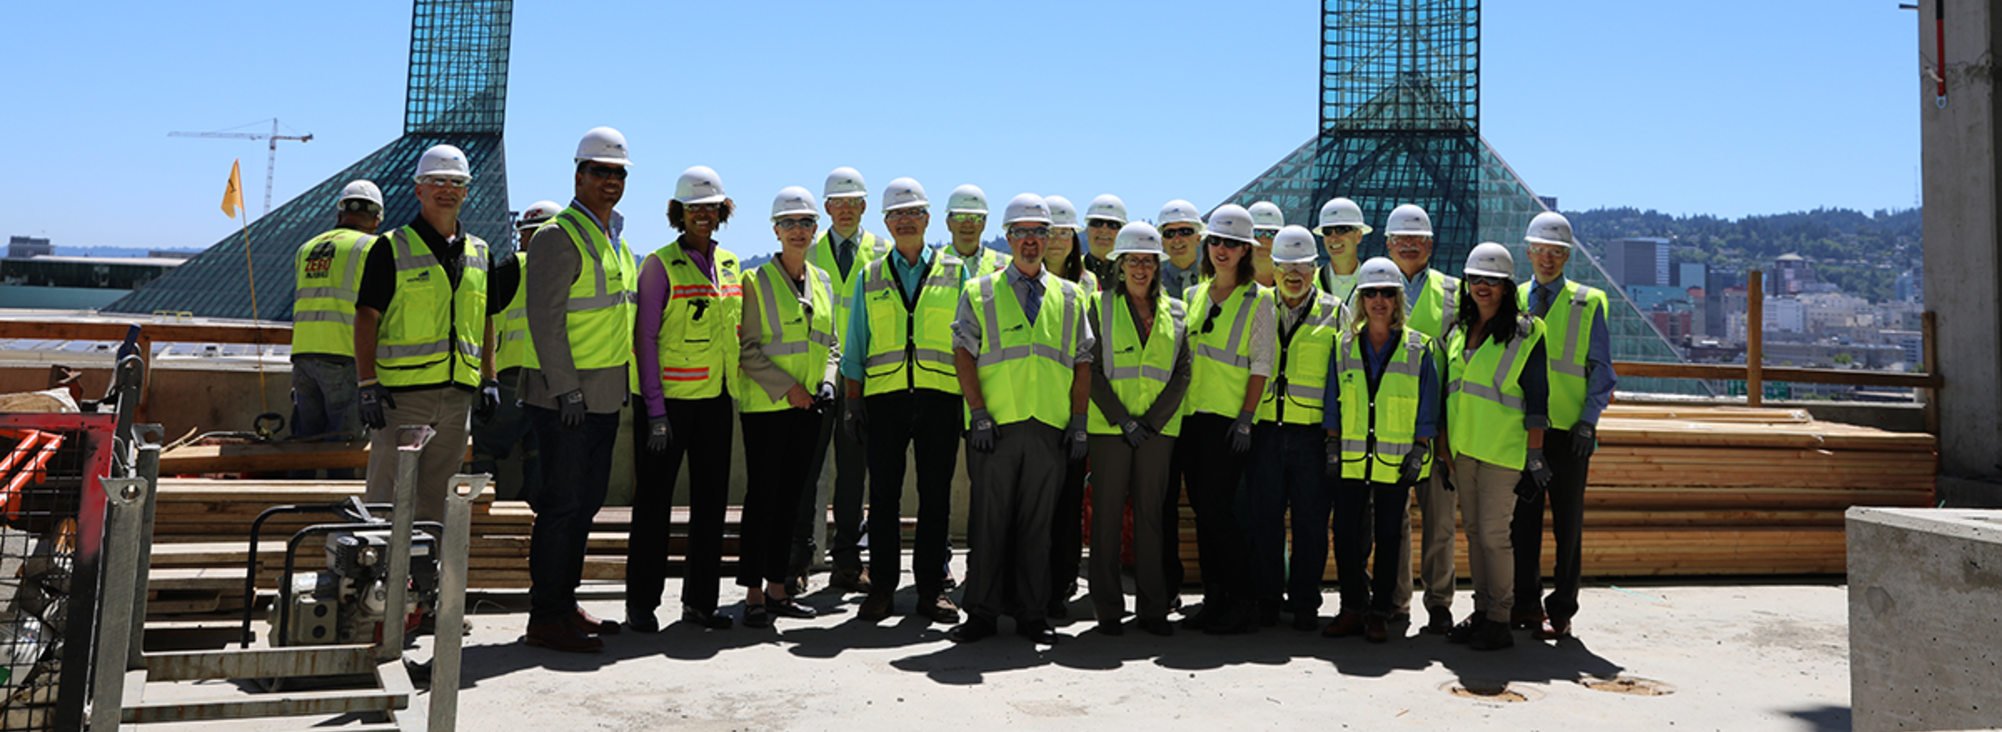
(323, 397)
(1487, 500)
(1008, 524)
(445, 409)
(1436, 549)
(1120, 473)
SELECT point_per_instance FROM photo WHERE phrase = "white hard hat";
(1062, 213)
(844, 182)
(1379, 272)
(603, 145)
(1408, 220)
(794, 201)
(444, 161)
(1179, 211)
(1138, 237)
(1294, 244)
(1342, 212)
(1550, 227)
(1106, 206)
(537, 213)
(1026, 207)
(361, 190)
(1230, 221)
(967, 199)
(904, 193)
(699, 185)
(1266, 215)
(1489, 259)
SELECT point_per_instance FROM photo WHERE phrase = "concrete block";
(1925, 618)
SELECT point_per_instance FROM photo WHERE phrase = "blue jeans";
(575, 474)
(1287, 464)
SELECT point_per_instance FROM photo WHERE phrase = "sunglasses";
(1029, 232)
(1218, 241)
(1478, 280)
(606, 171)
(1209, 321)
(960, 218)
(1104, 224)
(1339, 230)
(1179, 231)
(907, 213)
(1379, 292)
(439, 180)
(797, 222)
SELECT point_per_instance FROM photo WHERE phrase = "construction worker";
(1022, 347)
(1266, 221)
(788, 361)
(1232, 337)
(1381, 415)
(1285, 467)
(966, 220)
(842, 251)
(1431, 303)
(1065, 255)
(1581, 385)
(326, 277)
(1342, 229)
(689, 304)
(1142, 373)
(495, 438)
(1496, 413)
(903, 399)
(575, 381)
(1102, 220)
(1181, 225)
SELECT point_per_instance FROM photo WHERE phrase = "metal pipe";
(410, 442)
(125, 499)
(447, 642)
(148, 470)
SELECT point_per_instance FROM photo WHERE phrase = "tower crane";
(271, 164)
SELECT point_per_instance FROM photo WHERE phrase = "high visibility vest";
(1438, 305)
(1342, 286)
(1221, 368)
(1294, 393)
(795, 331)
(985, 262)
(515, 349)
(868, 248)
(1569, 328)
(325, 284)
(1025, 368)
(1138, 372)
(698, 325)
(604, 299)
(910, 342)
(1377, 430)
(432, 332)
(1484, 399)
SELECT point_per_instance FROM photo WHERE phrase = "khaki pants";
(1487, 501)
(1437, 504)
(445, 409)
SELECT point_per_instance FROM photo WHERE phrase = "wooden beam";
(1726, 371)
(1755, 338)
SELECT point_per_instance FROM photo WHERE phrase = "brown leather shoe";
(1554, 629)
(939, 610)
(1345, 625)
(851, 580)
(595, 625)
(562, 636)
(876, 608)
(1376, 629)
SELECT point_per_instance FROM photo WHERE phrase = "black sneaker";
(1468, 628)
(1492, 636)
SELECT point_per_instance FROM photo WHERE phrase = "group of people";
(1218, 353)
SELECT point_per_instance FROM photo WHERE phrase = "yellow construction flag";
(232, 197)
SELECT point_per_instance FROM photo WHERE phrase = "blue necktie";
(1034, 302)
(844, 255)
(1542, 301)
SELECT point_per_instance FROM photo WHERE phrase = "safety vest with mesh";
(698, 326)
(1294, 394)
(795, 331)
(910, 341)
(515, 350)
(1484, 398)
(1438, 305)
(985, 262)
(431, 333)
(326, 282)
(1220, 346)
(1378, 427)
(868, 248)
(1568, 327)
(1025, 368)
(1138, 371)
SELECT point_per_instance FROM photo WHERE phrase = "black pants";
(1566, 495)
(702, 431)
(774, 445)
(577, 468)
(851, 474)
(929, 424)
(1369, 516)
(1171, 517)
(1215, 474)
(1286, 469)
(1067, 531)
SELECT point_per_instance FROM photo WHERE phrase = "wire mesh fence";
(48, 463)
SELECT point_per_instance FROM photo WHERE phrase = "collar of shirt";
(1017, 279)
(835, 239)
(1374, 358)
(1414, 287)
(1291, 314)
(437, 241)
(613, 232)
(903, 265)
(1551, 289)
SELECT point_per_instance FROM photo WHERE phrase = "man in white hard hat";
(1103, 219)
(1181, 236)
(1342, 229)
(1579, 354)
(1266, 221)
(498, 436)
(576, 381)
(966, 220)
(326, 275)
(842, 251)
(1022, 344)
(1432, 301)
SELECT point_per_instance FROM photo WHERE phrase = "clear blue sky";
(1693, 106)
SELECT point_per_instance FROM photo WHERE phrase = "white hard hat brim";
(1552, 242)
(445, 174)
(848, 194)
(1380, 286)
(1366, 228)
(1103, 217)
(1029, 220)
(1408, 232)
(607, 160)
(1303, 260)
(1478, 272)
(715, 198)
(907, 204)
(980, 211)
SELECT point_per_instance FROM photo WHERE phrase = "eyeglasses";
(1140, 261)
(1378, 292)
(1478, 280)
(1339, 230)
(606, 171)
(445, 181)
(1104, 224)
(1300, 267)
(907, 213)
(704, 208)
(1209, 321)
(1547, 251)
(797, 222)
(1179, 231)
(961, 218)
(1029, 232)
(1218, 241)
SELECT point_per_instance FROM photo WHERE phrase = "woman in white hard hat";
(1266, 221)
(1231, 339)
(1140, 372)
(788, 360)
(1064, 256)
(1497, 397)
(1382, 412)
(687, 351)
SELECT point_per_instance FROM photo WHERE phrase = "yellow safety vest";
(1438, 306)
(1484, 398)
(698, 325)
(1026, 369)
(326, 282)
(1569, 327)
(795, 334)
(868, 248)
(515, 349)
(910, 343)
(432, 333)
(1295, 393)
(984, 263)
(1221, 367)
(1377, 430)
(1138, 372)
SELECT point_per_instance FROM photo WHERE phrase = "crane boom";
(270, 163)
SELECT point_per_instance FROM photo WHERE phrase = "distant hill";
(1861, 253)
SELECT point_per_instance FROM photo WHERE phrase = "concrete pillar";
(1963, 262)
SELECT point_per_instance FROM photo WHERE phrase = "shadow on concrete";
(676, 640)
(963, 664)
(1825, 718)
(1530, 661)
(853, 633)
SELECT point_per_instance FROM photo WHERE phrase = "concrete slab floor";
(1731, 657)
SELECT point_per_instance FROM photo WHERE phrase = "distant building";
(1910, 286)
(1673, 324)
(1792, 275)
(178, 254)
(1785, 315)
(75, 283)
(1549, 202)
(1691, 274)
(23, 247)
(1639, 261)
(1656, 297)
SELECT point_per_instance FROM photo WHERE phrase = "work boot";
(561, 635)
(1346, 624)
(787, 607)
(1439, 621)
(1468, 628)
(1375, 629)
(876, 608)
(851, 579)
(1492, 636)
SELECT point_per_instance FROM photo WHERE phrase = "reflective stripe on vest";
(1221, 368)
(698, 325)
(602, 305)
(1377, 429)
(1568, 326)
(515, 349)
(1138, 372)
(795, 331)
(430, 334)
(1295, 393)
(1484, 399)
(1438, 305)
(868, 248)
(326, 283)
(1026, 368)
(910, 340)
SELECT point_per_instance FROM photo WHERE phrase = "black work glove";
(1240, 434)
(489, 401)
(1134, 432)
(571, 408)
(1584, 439)
(982, 431)
(1414, 462)
(1074, 438)
(658, 435)
(823, 397)
(1538, 471)
(854, 419)
(375, 398)
(1334, 447)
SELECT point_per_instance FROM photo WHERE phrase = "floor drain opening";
(1486, 691)
(1631, 685)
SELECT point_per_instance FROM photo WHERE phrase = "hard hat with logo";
(1550, 227)
(603, 145)
(1230, 221)
(1106, 206)
(699, 185)
(1489, 259)
(1343, 212)
(844, 182)
(903, 193)
(794, 201)
(1294, 244)
(1062, 213)
(1026, 208)
(1179, 211)
(1408, 220)
(538, 213)
(361, 190)
(967, 199)
(1379, 272)
(1138, 237)
(1266, 215)
(444, 161)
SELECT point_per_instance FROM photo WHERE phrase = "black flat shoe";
(756, 616)
(709, 619)
(787, 607)
(1157, 626)
(975, 628)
